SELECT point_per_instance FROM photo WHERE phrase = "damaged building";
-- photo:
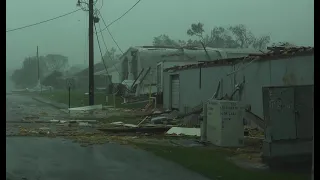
(240, 79)
(140, 64)
(275, 89)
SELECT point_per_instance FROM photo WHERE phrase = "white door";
(175, 89)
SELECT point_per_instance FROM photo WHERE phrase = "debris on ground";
(192, 120)
(184, 131)
(140, 130)
(86, 108)
(158, 120)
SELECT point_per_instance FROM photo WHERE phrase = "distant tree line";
(27, 75)
(237, 36)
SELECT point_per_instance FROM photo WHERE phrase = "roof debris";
(276, 52)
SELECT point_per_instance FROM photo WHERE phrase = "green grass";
(214, 164)
(79, 98)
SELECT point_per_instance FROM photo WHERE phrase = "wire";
(110, 79)
(30, 25)
(121, 16)
(105, 45)
(110, 33)
(105, 66)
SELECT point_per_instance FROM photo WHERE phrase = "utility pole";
(91, 54)
(38, 64)
(38, 60)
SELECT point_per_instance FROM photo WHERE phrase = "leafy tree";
(111, 55)
(164, 40)
(56, 62)
(197, 30)
(53, 79)
(237, 36)
(27, 75)
(246, 38)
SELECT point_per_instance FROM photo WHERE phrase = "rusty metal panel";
(304, 111)
(280, 112)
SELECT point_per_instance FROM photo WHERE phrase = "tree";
(245, 38)
(111, 55)
(53, 79)
(27, 75)
(56, 62)
(197, 30)
(237, 36)
(164, 40)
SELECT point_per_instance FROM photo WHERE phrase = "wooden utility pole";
(38, 64)
(91, 54)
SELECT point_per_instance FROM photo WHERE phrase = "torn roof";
(277, 52)
(167, 51)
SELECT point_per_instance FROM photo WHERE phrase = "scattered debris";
(143, 120)
(117, 123)
(173, 114)
(153, 130)
(130, 125)
(86, 108)
(184, 131)
(159, 119)
(192, 120)
(85, 124)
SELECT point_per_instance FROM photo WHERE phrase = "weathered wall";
(290, 71)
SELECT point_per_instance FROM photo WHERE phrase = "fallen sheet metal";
(184, 131)
(149, 130)
(130, 125)
(72, 120)
(117, 123)
(86, 108)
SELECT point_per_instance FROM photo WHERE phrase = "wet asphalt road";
(20, 106)
(40, 158)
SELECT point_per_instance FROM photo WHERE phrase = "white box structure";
(225, 123)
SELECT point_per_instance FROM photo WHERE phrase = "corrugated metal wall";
(297, 70)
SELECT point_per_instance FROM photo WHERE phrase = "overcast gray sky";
(284, 20)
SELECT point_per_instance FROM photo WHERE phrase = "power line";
(30, 25)
(110, 33)
(105, 45)
(105, 66)
(121, 16)
(103, 58)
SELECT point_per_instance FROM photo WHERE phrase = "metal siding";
(175, 89)
(281, 121)
(304, 109)
(192, 95)
(293, 71)
(257, 75)
(166, 90)
(159, 77)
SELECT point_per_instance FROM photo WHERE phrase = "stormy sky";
(283, 20)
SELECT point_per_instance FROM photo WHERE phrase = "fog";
(285, 20)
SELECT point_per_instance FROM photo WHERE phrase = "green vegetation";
(79, 98)
(213, 163)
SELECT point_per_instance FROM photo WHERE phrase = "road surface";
(42, 158)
